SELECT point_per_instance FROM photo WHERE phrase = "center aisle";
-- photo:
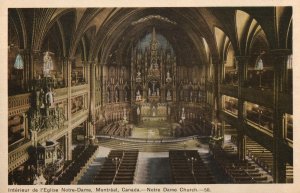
(153, 168)
(95, 166)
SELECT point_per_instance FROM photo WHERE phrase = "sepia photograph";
(127, 96)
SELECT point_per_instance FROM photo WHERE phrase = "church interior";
(200, 95)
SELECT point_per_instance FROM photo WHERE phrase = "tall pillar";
(102, 89)
(24, 71)
(68, 64)
(36, 60)
(279, 165)
(216, 89)
(26, 126)
(28, 68)
(92, 77)
(241, 137)
(68, 145)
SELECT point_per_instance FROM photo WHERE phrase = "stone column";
(65, 71)
(68, 145)
(25, 125)
(242, 75)
(92, 77)
(279, 165)
(68, 64)
(216, 89)
(37, 58)
(102, 89)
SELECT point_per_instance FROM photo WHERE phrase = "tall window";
(288, 127)
(290, 62)
(48, 64)
(19, 63)
(289, 74)
(230, 68)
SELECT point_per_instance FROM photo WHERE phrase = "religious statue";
(169, 95)
(49, 98)
(168, 79)
(182, 114)
(138, 111)
(138, 95)
(153, 111)
(48, 64)
(157, 91)
(149, 92)
(259, 64)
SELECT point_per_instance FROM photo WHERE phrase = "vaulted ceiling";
(196, 34)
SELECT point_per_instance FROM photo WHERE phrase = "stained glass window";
(19, 63)
(290, 62)
(48, 64)
(259, 64)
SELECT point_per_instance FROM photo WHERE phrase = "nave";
(193, 162)
(111, 95)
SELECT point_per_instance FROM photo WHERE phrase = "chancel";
(150, 95)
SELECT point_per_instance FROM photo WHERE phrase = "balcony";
(260, 79)
(259, 117)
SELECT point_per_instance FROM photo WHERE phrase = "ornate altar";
(154, 68)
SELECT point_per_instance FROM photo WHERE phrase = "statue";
(153, 111)
(169, 95)
(183, 114)
(168, 79)
(138, 95)
(138, 111)
(49, 98)
(149, 92)
(259, 64)
(157, 91)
